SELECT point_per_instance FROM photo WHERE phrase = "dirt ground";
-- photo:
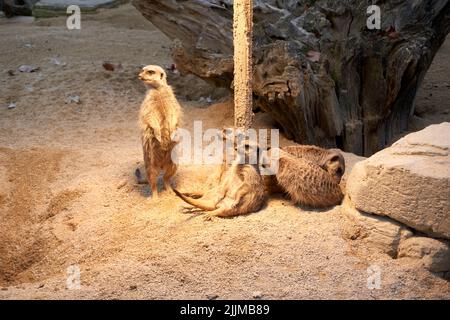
(68, 196)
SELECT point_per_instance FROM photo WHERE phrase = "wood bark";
(242, 41)
(323, 76)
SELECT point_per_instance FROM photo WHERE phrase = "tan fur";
(309, 175)
(240, 190)
(158, 119)
(330, 160)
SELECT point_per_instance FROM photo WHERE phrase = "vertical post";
(242, 39)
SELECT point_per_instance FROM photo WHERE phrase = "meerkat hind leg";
(170, 172)
(154, 187)
(227, 209)
(152, 177)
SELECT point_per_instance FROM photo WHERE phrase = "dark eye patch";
(150, 72)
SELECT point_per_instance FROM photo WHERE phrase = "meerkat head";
(237, 143)
(334, 164)
(153, 76)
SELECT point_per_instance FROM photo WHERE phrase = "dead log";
(324, 77)
(242, 41)
(17, 7)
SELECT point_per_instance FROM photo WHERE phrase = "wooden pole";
(242, 38)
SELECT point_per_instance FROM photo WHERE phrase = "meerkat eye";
(150, 72)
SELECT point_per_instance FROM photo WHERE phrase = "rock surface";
(433, 254)
(409, 182)
(379, 233)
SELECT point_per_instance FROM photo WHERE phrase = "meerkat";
(159, 116)
(240, 189)
(330, 160)
(304, 176)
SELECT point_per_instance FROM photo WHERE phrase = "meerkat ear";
(334, 158)
(162, 75)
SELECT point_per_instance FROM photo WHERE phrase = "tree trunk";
(323, 76)
(242, 40)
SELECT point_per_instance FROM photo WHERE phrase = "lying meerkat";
(307, 178)
(240, 190)
(330, 160)
(158, 119)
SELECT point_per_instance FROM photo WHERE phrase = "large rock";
(409, 181)
(375, 232)
(432, 254)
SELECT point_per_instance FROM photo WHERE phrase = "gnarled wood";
(242, 41)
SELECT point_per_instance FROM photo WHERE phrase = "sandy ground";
(68, 196)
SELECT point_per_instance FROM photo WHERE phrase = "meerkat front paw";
(186, 209)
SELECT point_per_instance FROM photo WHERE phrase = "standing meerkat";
(240, 189)
(309, 175)
(158, 119)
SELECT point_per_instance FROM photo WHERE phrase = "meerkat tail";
(207, 205)
(193, 195)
